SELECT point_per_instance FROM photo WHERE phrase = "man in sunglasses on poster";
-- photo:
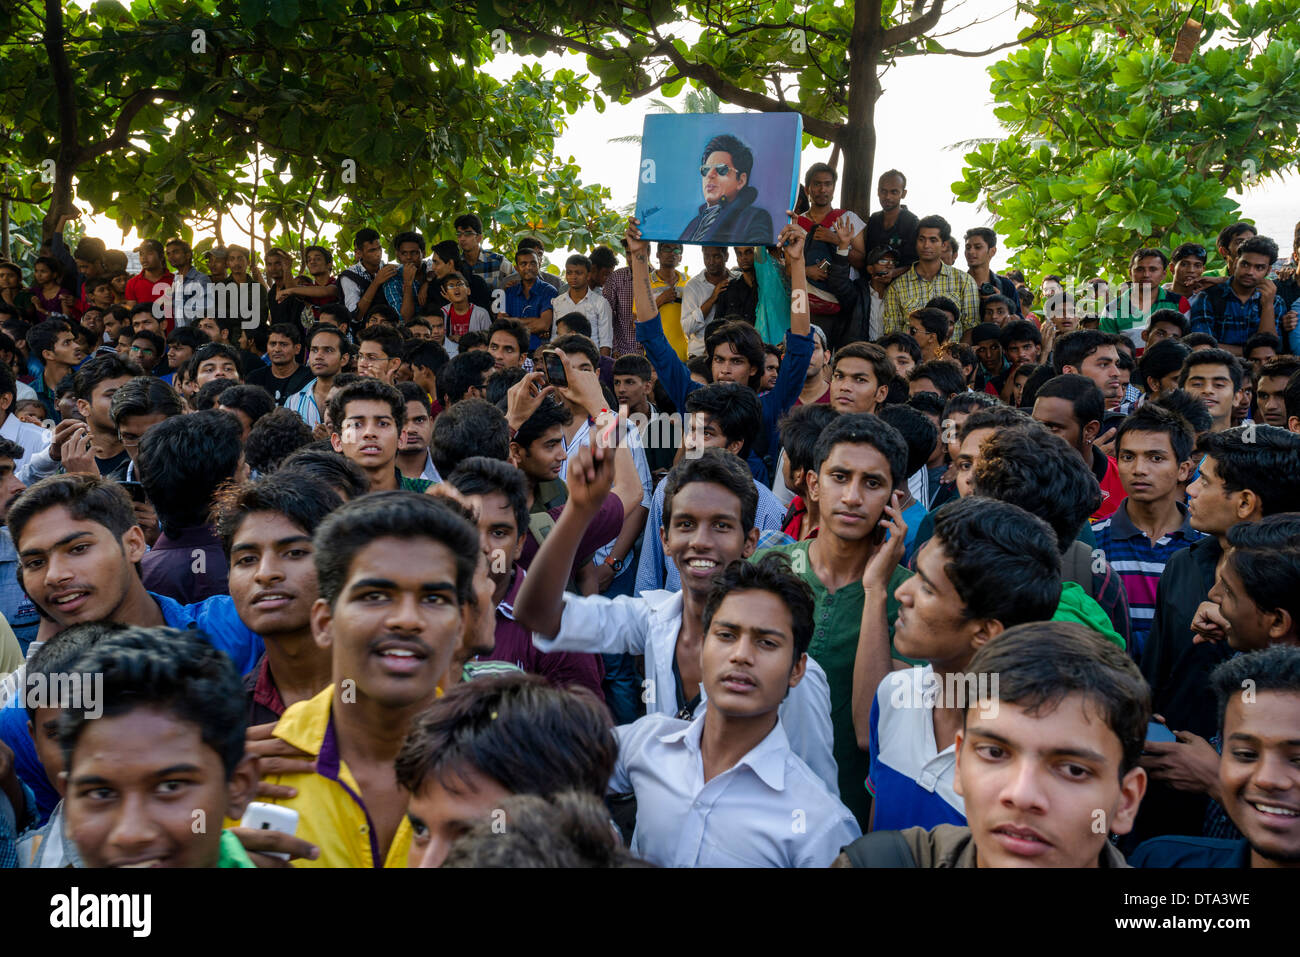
(728, 214)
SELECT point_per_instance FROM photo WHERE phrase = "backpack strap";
(880, 849)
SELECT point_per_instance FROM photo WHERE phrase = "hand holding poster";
(718, 179)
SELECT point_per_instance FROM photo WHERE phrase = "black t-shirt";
(901, 239)
(280, 389)
(114, 468)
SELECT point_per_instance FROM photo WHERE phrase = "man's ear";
(1185, 470)
(1280, 623)
(242, 787)
(814, 492)
(1090, 432)
(83, 407)
(742, 179)
(336, 442)
(7, 400)
(1292, 423)
(735, 447)
(1132, 787)
(1249, 506)
(986, 629)
(1070, 370)
(799, 670)
(133, 544)
(751, 543)
(881, 394)
(321, 617)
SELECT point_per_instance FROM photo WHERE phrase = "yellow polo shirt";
(331, 813)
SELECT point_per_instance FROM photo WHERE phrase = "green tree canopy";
(1112, 145)
(164, 113)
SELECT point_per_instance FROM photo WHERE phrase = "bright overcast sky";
(958, 107)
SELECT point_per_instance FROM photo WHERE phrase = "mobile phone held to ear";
(555, 373)
(136, 491)
(1159, 732)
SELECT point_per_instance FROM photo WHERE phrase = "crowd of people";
(842, 556)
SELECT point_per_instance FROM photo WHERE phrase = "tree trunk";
(858, 139)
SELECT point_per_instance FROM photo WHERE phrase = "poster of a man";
(715, 179)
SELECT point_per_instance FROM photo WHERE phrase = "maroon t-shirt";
(514, 644)
(604, 528)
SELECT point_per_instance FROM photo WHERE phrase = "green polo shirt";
(837, 620)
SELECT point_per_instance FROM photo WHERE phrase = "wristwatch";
(614, 563)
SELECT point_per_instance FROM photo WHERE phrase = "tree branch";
(903, 32)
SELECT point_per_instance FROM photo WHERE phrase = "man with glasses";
(146, 348)
(493, 268)
(728, 213)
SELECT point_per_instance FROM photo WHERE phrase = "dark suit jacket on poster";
(740, 223)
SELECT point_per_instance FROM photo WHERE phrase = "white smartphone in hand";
(261, 816)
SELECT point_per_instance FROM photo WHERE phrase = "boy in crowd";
(581, 298)
(1235, 310)
(395, 572)
(708, 522)
(1092, 354)
(1257, 585)
(173, 715)
(940, 376)
(634, 387)
(215, 360)
(1247, 473)
(266, 528)
(1155, 461)
(1072, 407)
(722, 791)
(1049, 745)
(285, 376)
(366, 418)
(1257, 777)
(734, 350)
(414, 460)
(990, 566)
(183, 462)
(379, 352)
(328, 354)
(53, 343)
(1214, 377)
(1160, 367)
(507, 344)
(1164, 324)
(722, 415)
(800, 430)
(859, 464)
(493, 737)
(861, 374)
(498, 494)
(1137, 300)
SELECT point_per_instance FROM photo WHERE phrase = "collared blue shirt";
(1218, 311)
(530, 306)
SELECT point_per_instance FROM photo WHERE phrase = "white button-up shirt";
(768, 810)
(595, 308)
(33, 440)
(649, 625)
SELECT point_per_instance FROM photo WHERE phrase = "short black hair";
(1266, 556)
(1262, 458)
(861, 428)
(998, 298)
(927, 403)
(408, 236)
(44, 335)
(1261, 339)
(363, 236)
(273, 438)
(721, 468)
(187, 336)
(967, 403)
(1086, 401)
(518, 730)
(742, 157)
(1260, 246)
(145, 395)
(1189, 407)
(1040, 663)
(287, 329)
(346, 348)
(302, 499)
(425, 354)
(61, 654)
(1020, 330)
(1030, 467)
(1074, 347)
(1213, 357)
(468, 221)
(471, 340)
(465, 371)
(983, 232)
(366, 389)
(550, 413)
(945, 305)
(800, 429)
(387, 338)
(1194, 339)
(602, 257)
(253, 400)
(944, 375)
(882, 366)
(576, 323)
(499, 384)
(515, 328)
(88, 498)
(101, 368)
(934, 221)
(917, 431)
(1154, 418)
(1002, 561)
(1160, 359)
(172, 669)
(734, 408)
(1171, 316)
(770, 573)
(632, 364)
(480, 475)
(934, 321)
(470, 427)
(206, 398)
(333, 468)
(395, 514)
(1276, 668)
(581, 345)
(183, 460)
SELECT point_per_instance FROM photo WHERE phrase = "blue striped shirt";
(1139, 562)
